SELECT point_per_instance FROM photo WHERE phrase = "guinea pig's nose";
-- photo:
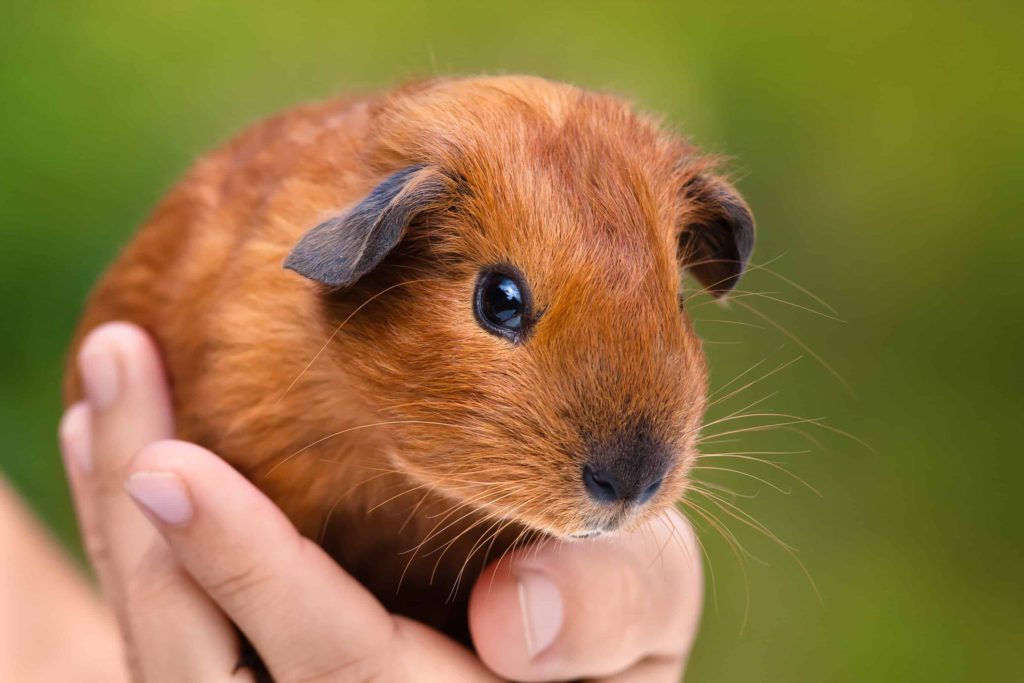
(604, 485)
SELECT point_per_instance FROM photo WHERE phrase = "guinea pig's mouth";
(588, 534)
(589, 521)
(605, 523)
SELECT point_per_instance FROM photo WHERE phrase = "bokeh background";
(880, 146)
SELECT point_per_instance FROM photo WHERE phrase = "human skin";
(184, 547)
(46, 607)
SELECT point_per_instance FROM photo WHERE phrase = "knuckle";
(377, 665)
(242, 581)
(153, 578)
(97, 548)
(363, 670)
(350, 673)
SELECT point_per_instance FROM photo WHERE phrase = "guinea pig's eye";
(502, 304)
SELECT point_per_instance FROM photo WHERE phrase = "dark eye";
(502, 304)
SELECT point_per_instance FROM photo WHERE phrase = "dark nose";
(605, 485)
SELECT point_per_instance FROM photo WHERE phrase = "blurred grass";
(879, 145)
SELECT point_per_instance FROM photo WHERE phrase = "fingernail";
(540, 603)
(75, 440)
(97, 364)
(163, 494)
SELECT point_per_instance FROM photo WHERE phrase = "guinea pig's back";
(237, 209)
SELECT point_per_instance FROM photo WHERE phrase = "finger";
(306, 617)
(654, 670)
(174, 631)
(75, 436)
(129, 407)
(590, 609)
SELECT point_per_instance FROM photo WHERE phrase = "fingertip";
(114, 355)
(495, 621)
(216, 493)
(168, 454)
(125, 336)
(98, 367)
(590, 608)
(516, 616)
(162, 495)
(74, 435)
(541, 610)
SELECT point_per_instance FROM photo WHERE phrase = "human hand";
(209, 550)
(46, 608)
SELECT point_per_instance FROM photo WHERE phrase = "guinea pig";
(436, 323)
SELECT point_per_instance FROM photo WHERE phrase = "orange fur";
(382, 418)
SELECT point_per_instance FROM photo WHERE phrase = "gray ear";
(718, 234)
(343, 249)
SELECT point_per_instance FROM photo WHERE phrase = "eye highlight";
(502, 303)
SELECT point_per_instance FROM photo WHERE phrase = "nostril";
(602, 486)
(649, 492)
(608, 486)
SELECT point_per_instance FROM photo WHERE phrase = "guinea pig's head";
(510, 298)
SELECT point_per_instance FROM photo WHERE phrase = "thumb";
(592, 608)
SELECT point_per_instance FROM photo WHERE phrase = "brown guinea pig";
(477, 338)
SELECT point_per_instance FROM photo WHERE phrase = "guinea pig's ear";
(717, 234)
(342, 249)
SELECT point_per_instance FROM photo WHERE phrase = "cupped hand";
(187, 549)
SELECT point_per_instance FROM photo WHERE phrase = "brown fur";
(452, 430)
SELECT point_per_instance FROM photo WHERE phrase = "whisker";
(817, 422)
(412, 514)
(731, 322)
(801, 289)
(337, 501)
(746, 386)
(443, 548)
(724, 489)
(660, 557)
(734, 546)
(769, 463)
(490, 533)
(764, 266)
(396, 497)
(707, 289)
(801, 344)
(735, 379)
(337, 330)
(352, 429)
(764, 428)
(707, 558)
(802, 308)
(709, 468)
(745, 518)
(734, 415)
(740, 293)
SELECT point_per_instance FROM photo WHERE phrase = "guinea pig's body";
(361, 389)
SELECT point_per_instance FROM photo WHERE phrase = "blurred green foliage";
(880, 146)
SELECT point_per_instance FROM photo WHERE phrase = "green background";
(880, 146)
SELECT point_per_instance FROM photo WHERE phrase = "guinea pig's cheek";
(677, 483)
(393, 458)
(403, 464)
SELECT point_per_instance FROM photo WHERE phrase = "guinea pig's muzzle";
(625, 472)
